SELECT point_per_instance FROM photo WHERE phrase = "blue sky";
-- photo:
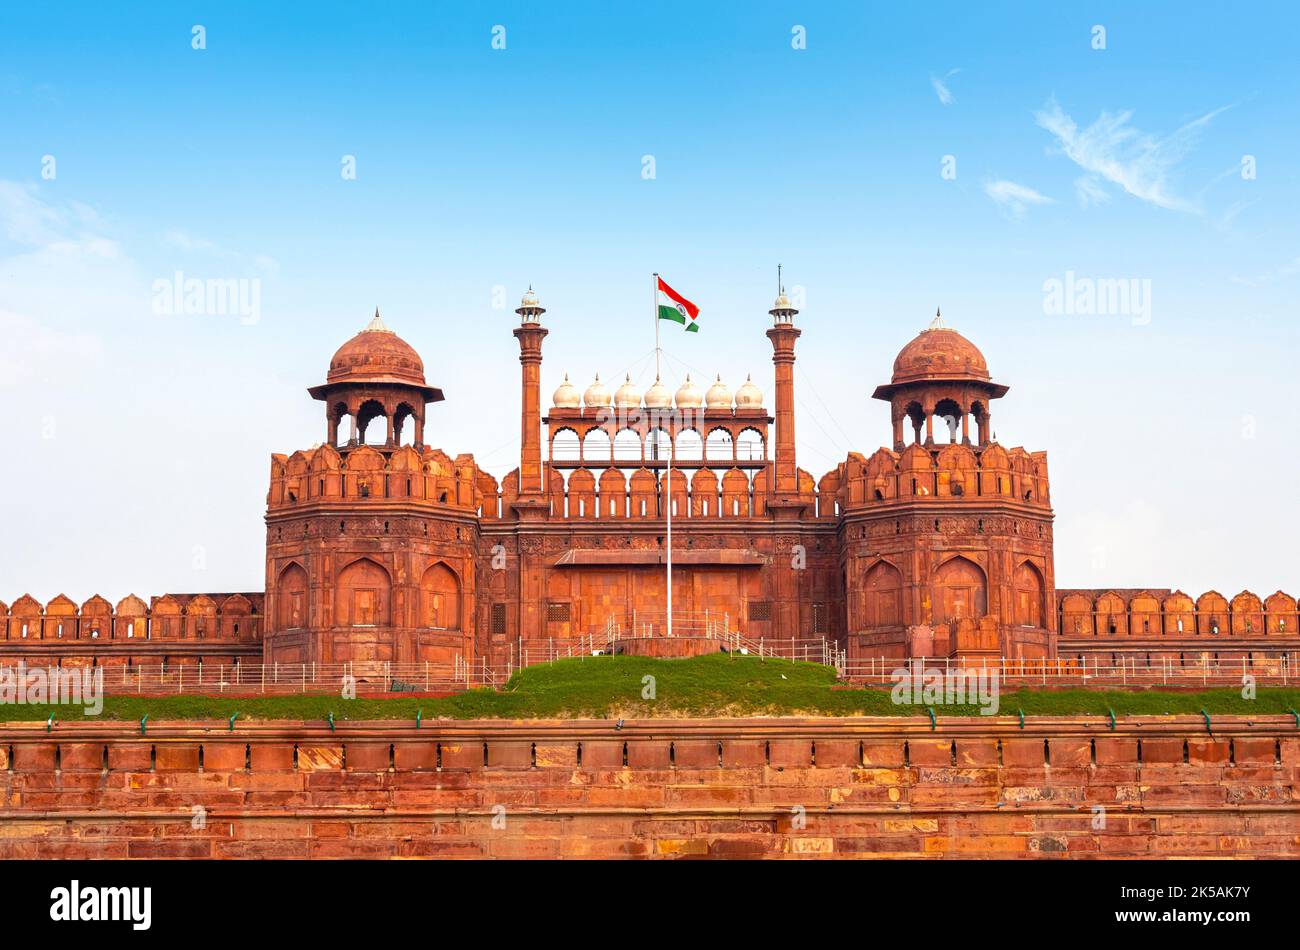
(139, 442)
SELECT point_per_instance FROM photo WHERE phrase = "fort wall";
(970, 788)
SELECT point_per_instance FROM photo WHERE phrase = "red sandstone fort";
(382, 548)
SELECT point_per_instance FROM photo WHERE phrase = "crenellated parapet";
(203, 622)
(969, 475)
(1127, 616)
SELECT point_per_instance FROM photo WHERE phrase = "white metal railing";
(1273, 668)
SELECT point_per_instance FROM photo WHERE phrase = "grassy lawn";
(705, 686)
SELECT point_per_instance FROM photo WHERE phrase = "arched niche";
(291, 598)
(440, 598)
(362, 595)
(960, 591)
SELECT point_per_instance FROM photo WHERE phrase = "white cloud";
(1090, 192)
(941, 89)
(1113, 150)
(1014, 198)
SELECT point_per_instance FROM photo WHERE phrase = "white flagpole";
(668, 511)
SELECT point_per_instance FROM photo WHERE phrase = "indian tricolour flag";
(673, 306)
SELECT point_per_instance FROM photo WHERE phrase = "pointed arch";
(960, 591)
(291, 598)
(363, 595)
(882, 596)
(1029, 590)
(440, 597)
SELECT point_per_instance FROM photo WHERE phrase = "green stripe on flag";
(671, 313)
(693, 328)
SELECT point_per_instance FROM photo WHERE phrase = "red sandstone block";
(33, 757)
(557, 755)
(1207, 750)
(440, 849)
(261, 849)
(789, 753)
(129, 757)
(462, 756)
(175, 848)
(510, 755)
(893, 845)
(696, 754)
(600, 754)
(81, 756)
(649, 754)
(930, 752)
(831, 753)
(224, 756)
(503, 847)
(320, 758)
(270, 756)
(1115, 751)
(976, 752)
(1070, 753)
(625, 796)
(739, 753)
(1162, 751)
(1290, 752)
(415, 756)
(176, 757)
(1251, 751)
(1154, 796)
(1023, 753)
(882, 754)
(367, 756)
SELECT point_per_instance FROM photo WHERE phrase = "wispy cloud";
(1014, 198)
(1112, 150)
(941, 88)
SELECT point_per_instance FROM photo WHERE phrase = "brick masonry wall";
(1151, 787)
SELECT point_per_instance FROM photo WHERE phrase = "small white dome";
(749, 396)
(566, 397)
(596, 396)
(628, 396)
(657, 397)
(689, 396)
(529, 299)
(718, 396)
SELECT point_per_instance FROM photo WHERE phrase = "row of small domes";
(718, 396)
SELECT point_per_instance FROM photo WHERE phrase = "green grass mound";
(638, 687)
(618, 686)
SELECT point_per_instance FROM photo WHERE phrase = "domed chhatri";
(718, 396)
(939, 352)
(376, 354)
(597, 395)
(688, 395)
(628, 396)
(657, 396)
(566, 396)
(749, 396)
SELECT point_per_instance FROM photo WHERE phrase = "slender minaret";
(783, 334)
(530, 334)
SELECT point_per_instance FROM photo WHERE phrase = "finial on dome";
(937, 322)
(376, 324)
(530, 308)
(782, 310)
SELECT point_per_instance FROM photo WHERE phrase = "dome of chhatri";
(628, 396)
(939, 353)
(566, 397)
(376, 354)
(749, 396)
(689, 395)
(718, 396)
(597, 395)
(657, 396)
